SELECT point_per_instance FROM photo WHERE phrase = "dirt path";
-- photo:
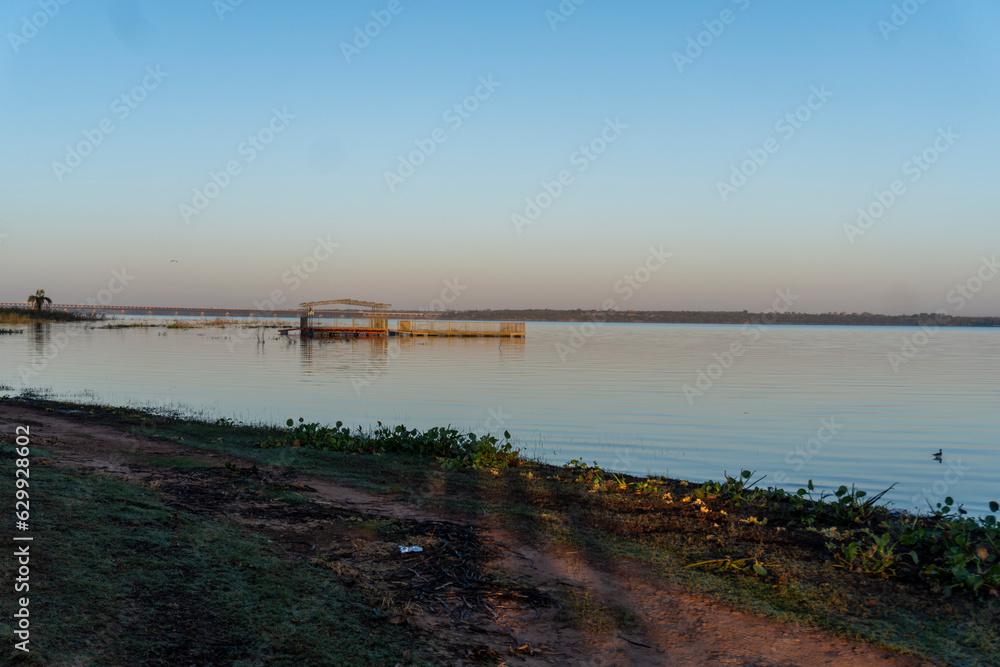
(680, 628)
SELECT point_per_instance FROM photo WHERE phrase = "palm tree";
(39, 299)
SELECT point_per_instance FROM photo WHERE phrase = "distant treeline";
(720, 317)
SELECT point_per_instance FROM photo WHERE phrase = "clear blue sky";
(657, 183)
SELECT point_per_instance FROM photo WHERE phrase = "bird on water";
(937, 455)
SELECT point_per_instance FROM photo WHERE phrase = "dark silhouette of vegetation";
(38, 299)
(720, 317)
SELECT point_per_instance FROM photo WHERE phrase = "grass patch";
(174, 462)
(587, 612)
(132, 581)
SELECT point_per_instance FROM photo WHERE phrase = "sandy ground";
(682, 628)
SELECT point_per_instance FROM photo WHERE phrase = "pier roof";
(350, 302)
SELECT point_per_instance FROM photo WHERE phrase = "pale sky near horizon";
(116, 114)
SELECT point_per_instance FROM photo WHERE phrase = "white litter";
(406, 550)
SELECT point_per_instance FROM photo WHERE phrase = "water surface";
(613, 393)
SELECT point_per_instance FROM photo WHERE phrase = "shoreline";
(591, 316)
(779, 555)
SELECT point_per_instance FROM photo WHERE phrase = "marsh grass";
(29, 315)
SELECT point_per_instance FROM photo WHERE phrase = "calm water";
(617, 398)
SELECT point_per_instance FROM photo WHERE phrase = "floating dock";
(415, 328)
(463, 329)
(377, 326)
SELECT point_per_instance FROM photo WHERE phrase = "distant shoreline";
(67, 312)
(721, 317)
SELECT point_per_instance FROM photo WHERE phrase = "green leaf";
(759, 569)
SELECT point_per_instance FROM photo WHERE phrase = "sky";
(518, 154)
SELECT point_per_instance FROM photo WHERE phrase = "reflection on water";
(800, 403)
(39, 334)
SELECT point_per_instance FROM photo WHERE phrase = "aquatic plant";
(584, 473)
(874, 554)
(961, 551)
(453, 447)
(738, 491)
(853, 506)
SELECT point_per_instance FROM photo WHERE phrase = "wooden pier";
(460, 329)
(377, 325)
